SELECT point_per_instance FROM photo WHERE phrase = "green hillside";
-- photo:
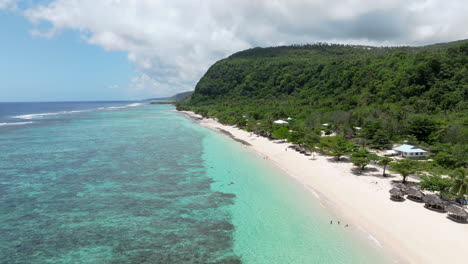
(417, 94)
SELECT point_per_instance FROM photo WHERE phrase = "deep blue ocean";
(126, 182)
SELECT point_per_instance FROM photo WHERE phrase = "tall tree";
(404, 167)
(336, 146)
(362, 158)
(384, 161)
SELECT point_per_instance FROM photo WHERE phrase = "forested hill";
(344, 85)
(343, 77)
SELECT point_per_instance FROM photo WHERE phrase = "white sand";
(405, 229)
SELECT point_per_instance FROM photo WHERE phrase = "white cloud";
(8, 4)
(172, 43)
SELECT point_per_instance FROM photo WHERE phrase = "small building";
(396, 194)
(280, 122)
(457, 213)
(410, 151)
(390, 152)
(433, 202)
(415, 194)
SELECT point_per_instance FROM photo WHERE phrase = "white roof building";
(410, 151)
(279, 121)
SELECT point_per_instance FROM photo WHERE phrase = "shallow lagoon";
(146, 185)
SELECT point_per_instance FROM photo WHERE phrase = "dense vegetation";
(370, 96)
(174, 98)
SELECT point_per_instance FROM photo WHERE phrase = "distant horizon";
(94, 101)
(70, 101)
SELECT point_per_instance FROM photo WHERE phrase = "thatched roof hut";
(434, 202)
(396, 194)
(457, 213)
(415, 194)
(402, 187)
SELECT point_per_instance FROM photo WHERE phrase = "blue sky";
(113, 50)
(62, 68)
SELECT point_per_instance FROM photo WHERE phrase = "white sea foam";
(373, 239)
(115, 107)
(122, 107)
(15, 123)
(370, 237)
(34, 116)
(313, 192)
(43, 115)
(135, 104)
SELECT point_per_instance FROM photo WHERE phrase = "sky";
(77, 50)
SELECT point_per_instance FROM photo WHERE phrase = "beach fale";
(415, 194)
(457, 213)
(434, 202)
(396, 194)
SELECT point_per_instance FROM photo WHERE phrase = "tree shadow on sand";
(371, 172)
(341, 160)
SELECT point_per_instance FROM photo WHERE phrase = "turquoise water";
(146, 185)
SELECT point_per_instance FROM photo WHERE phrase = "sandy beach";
(404, 229)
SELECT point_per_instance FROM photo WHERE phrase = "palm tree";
(460, 182)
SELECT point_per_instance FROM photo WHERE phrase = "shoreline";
(407, 232)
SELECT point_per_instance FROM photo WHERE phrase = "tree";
(384, 161)
(460, 182)
(445, 159)
(370, 128)
(282, 132)
(405, 167)
(296, 137)
(311, 138)
(421, 126)
(381, 139)
(336, 146)
(436, 184)
(362, 158)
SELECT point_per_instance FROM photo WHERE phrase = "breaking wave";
(15, 123)
(121, 107)
(45, 115)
